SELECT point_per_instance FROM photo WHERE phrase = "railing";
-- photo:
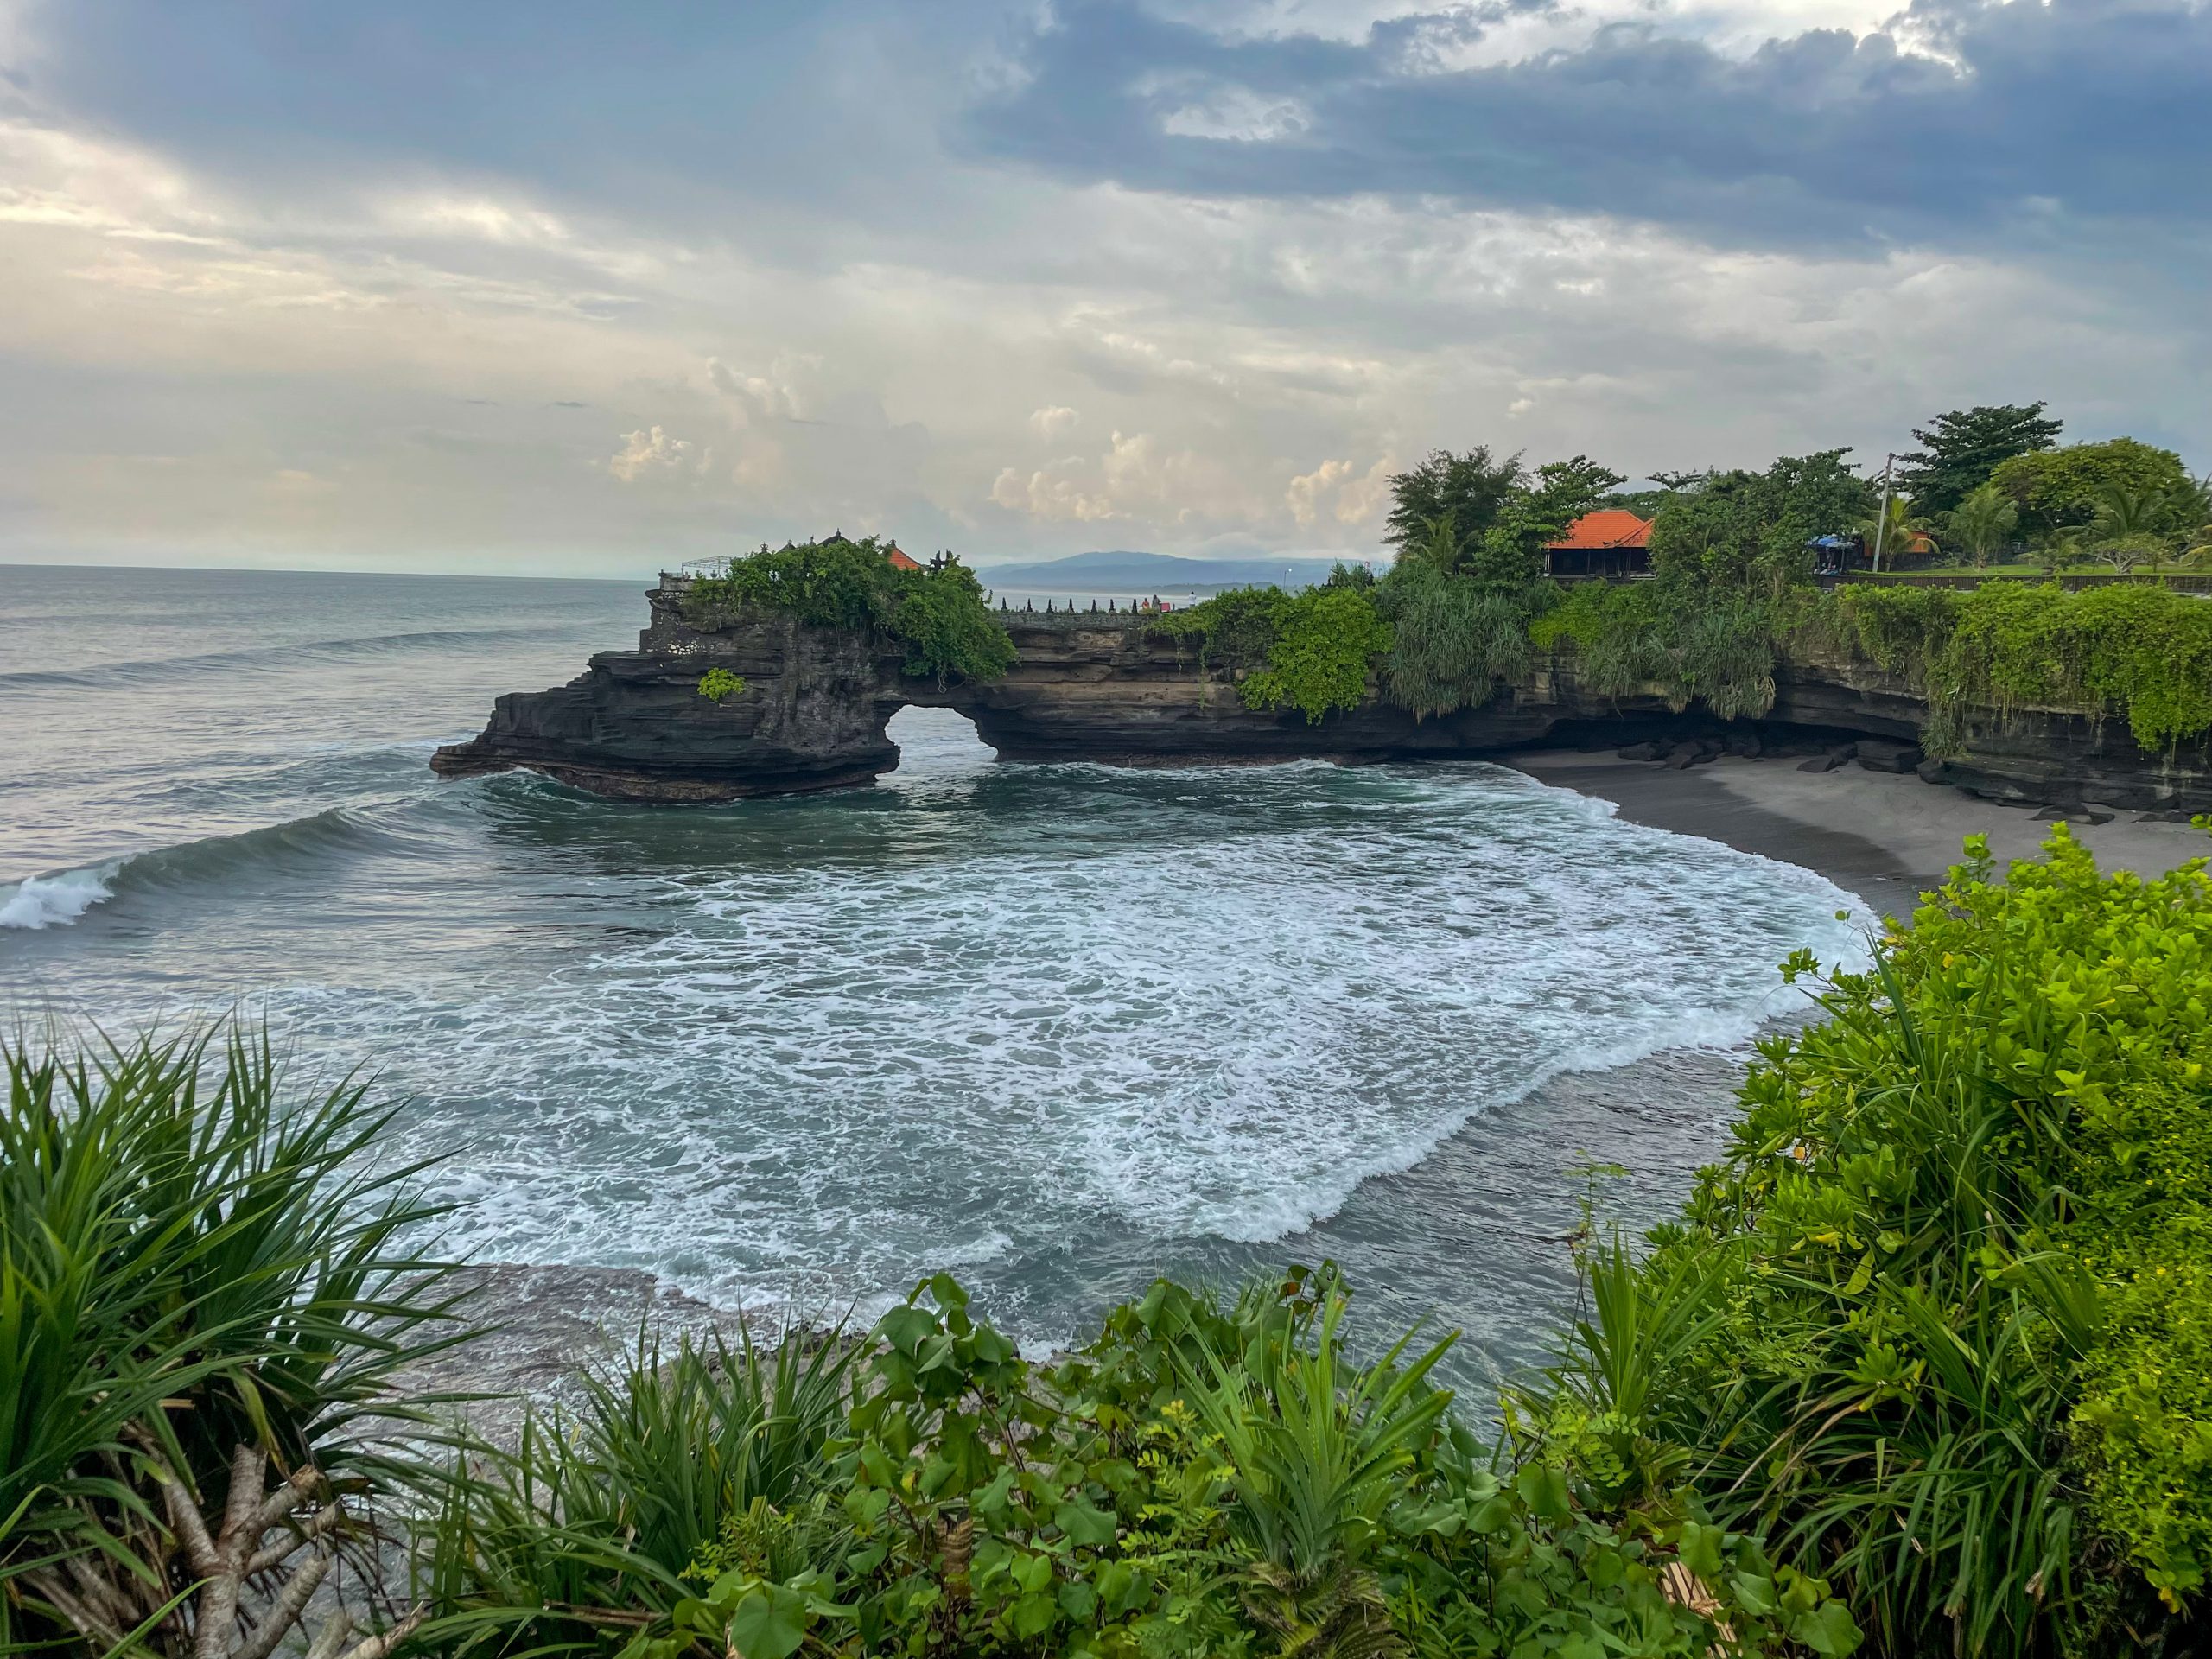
(1073, 611)
(2072, 581)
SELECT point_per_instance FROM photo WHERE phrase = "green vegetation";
(1204, 1478)
(2060, 490)
(1743, 534)
(720, 685)
(1937, 1323)
(1467, 607)
(1962, 448)
(1924, 1366)
(2140, 652)
(1306, 651)
(195, 1284)
(937, 614)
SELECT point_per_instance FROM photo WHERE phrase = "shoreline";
(1884, 837)
(1887, 836)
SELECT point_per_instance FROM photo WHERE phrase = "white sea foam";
(39, 901)
(1209, 1005)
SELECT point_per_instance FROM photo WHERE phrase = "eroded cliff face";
(632, 726)
(1100, 688)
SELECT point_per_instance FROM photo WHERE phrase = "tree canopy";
(2060, 490)
(1747, 530)
(1464, 493)
(1962, 448)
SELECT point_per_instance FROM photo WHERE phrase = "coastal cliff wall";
(1090, 686)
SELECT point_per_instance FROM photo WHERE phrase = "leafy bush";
(194, 1282)
(937, 614)
(1201, 1478)
(1688, 640)
(1919, 1322)
(1744, 533)
(1451, 640)
(720, 685)
(2141, 651)
(1306, 651)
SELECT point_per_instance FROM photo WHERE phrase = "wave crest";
(40, 901)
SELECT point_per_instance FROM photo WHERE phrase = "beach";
(1887, 836)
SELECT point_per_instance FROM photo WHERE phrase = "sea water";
(1056, 1027)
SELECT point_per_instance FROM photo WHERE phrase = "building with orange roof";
(900, 560)
(1612, 542)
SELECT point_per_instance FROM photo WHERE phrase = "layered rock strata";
(1090, 686)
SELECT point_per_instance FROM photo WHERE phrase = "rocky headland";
(1102, 687)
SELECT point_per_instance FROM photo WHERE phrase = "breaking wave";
(42, 901)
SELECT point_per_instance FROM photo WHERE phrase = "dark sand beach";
(1887, 836)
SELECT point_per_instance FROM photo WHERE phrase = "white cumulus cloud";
(651, 453)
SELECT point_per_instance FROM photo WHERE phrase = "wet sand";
(1888, 837)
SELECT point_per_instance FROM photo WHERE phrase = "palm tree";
(1894, 531)
(1983, 521)
(2128, 523)
(2122, 511)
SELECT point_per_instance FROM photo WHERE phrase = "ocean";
(1055, 1028)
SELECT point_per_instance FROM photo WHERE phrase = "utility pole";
(1882, 522)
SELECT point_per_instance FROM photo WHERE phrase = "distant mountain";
(1091, 573)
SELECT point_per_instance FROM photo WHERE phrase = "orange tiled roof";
(1608, 527)
(900, 560)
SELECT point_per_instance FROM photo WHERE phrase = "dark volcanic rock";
(1104, 687)
(1875, 755)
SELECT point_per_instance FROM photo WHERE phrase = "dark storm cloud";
(2089, 110)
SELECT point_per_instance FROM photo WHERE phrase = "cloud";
(1306, 490)
(651, 453)
(1959, 121)
(1333, 488)
(1262, 246)
(1051, 495)
(1052, 420)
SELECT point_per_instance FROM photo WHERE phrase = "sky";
(532, 287)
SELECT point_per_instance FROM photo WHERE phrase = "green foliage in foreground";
(2143, 653)
(1939, 1322)
(1926, 1362)
(1203, 1478)
(720, 685)
(1307, 651)
(189, 1265)
(937, 614)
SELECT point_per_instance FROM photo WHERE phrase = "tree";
(1964, 446)
(2058, 490)
(1747, 530)
(1893, 526)
(1535, 514)
(1466, 491)
(2122, 511)
(1983, 521)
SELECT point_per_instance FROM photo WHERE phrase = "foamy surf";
(42, 901)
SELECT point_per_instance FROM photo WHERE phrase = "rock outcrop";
(1091, 686)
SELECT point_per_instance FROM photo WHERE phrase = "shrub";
(937, 614)
(195, 1281)
(1689, 641)
(1204, 1478)
(720, 685)
(1307, 651)
(2141, 653)
(1918, 1322)
(1451, 640)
